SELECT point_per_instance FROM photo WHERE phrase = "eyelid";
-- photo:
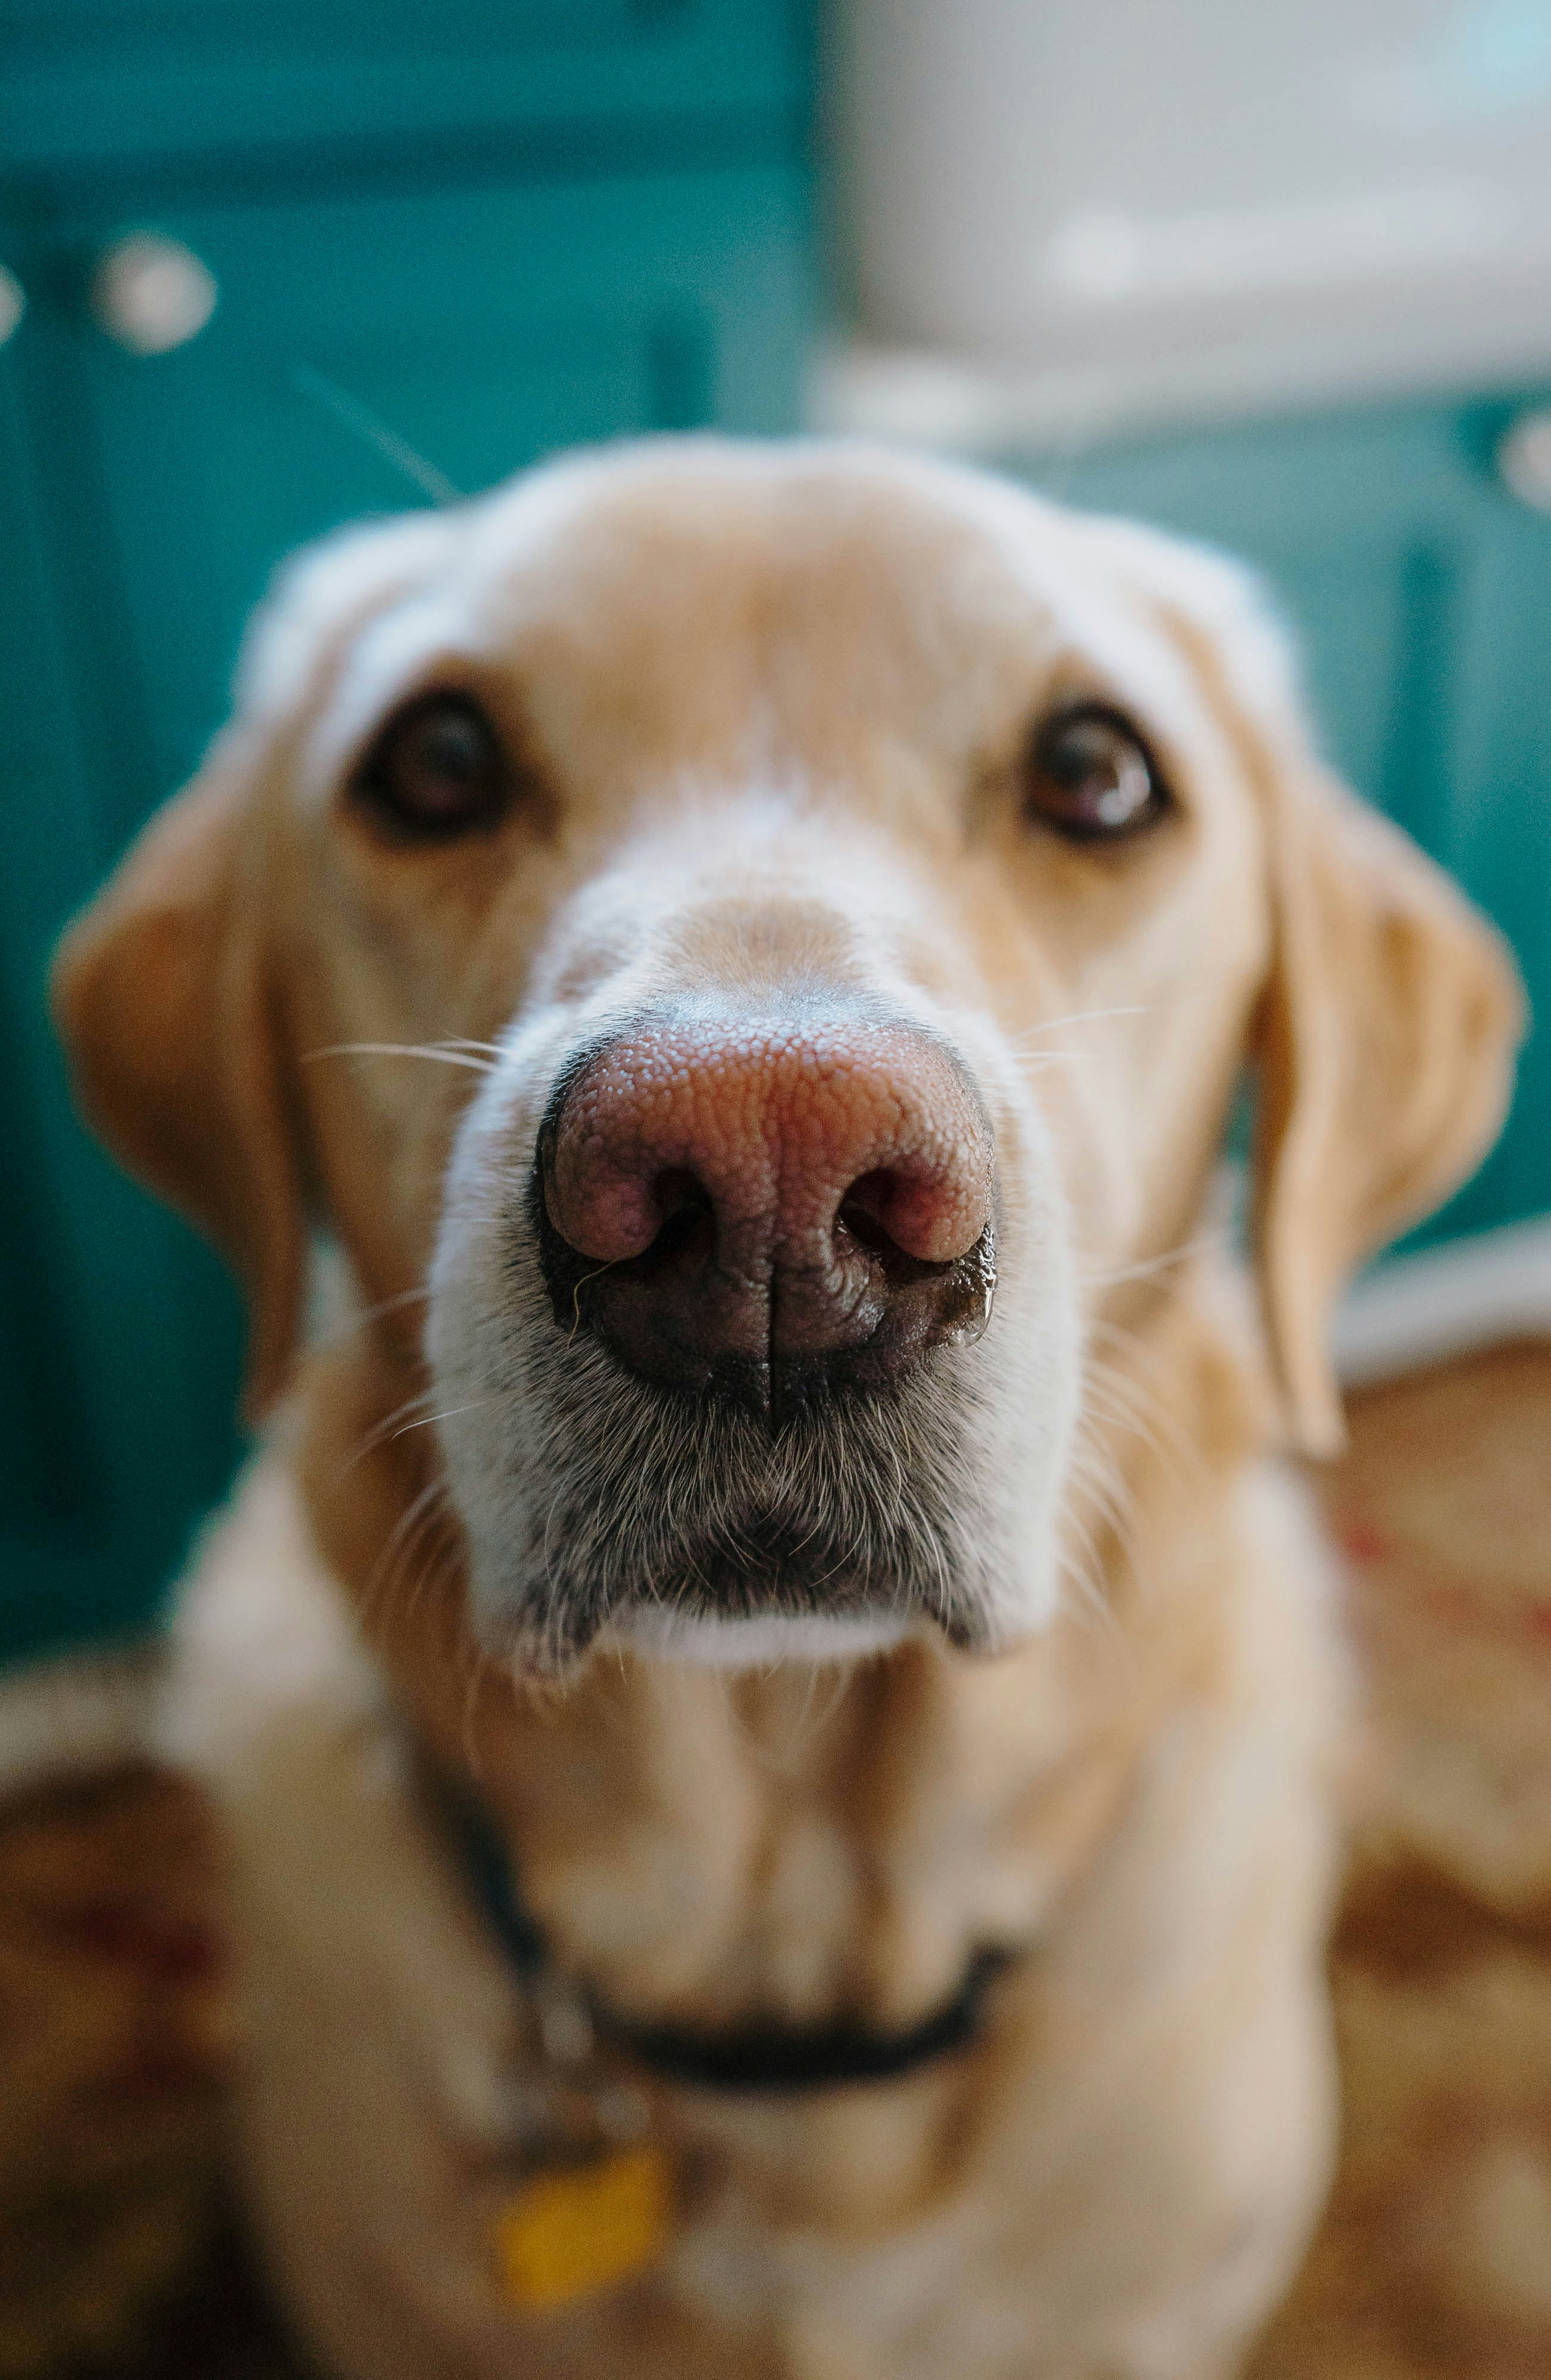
(1108, 713)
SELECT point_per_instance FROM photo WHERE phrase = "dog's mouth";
(664, 1510)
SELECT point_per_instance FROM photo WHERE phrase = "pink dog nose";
(760, 1204)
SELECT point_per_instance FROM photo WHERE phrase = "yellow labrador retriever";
(772, 1707)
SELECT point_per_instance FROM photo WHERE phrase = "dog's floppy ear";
(163, 990)
(1386, 1036)
(163, 1000)
(1386, 1042)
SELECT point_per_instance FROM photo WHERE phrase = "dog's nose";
(769, 1208)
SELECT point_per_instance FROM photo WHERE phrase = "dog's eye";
(1088, 775)
(436, 770)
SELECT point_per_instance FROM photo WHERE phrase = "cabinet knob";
(1524, 459)
(13, 302)
(151, 293)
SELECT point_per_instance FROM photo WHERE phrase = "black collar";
(760, 2057)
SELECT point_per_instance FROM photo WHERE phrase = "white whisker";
(1204, 1243)
(429, 1421)
(443, 1054)
(1078, 1017)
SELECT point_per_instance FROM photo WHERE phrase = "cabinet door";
(483, 329)
(1420, 593)
(132, 84)
(93, 1399)
(153, 496)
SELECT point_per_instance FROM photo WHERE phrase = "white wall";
(1183, 205)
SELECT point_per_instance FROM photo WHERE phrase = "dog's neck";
(707, 1847)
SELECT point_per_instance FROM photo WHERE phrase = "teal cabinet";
(482, 328)
(1419, 590)
(208, 89)
(554, 222)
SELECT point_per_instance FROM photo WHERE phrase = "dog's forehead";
(826, 589)
(756, 541)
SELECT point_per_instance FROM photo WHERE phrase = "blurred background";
(1280, 278)
(1276, 277)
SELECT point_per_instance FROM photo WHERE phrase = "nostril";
(864, 1212)
(678, 1192)
(689, 1224)
(865, 1229)
(933, 1205)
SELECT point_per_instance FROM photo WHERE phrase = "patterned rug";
(1434, 2259)
(119, 2255)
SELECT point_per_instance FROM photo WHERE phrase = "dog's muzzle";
(706, 1335)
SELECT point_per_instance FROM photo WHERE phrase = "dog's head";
(764, 932)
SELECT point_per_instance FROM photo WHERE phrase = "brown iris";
(435, 770)
(1088, 775)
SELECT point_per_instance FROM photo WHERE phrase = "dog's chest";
(806, 1847)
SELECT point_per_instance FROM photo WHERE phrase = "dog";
(772, 1700)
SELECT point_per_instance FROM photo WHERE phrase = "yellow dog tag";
(583, 2227)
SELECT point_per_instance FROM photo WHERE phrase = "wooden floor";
(118, 2256)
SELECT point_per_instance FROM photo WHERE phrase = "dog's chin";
(713, 1610)
(723, 1546)
(759, 1644)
